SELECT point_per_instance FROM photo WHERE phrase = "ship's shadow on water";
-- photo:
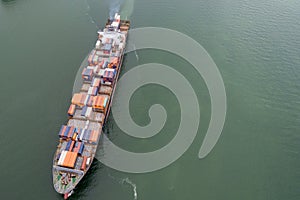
(87, 182)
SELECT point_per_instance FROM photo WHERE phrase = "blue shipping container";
(81, 149)
(97, 89)
(67, 131)
(83, 110)
(68, 145)
(76, 144)
(61, 130)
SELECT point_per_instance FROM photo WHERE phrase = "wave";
(129, 182)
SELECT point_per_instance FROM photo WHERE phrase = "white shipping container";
(88, 161)
(87, 123)
(93, 83)
(82, 133)
(88, 112)
(90, 67)
(107, 83)
(90, 91)
(62, 157)
(98, 44)
(86, 99)
(99, 53)
(110, 70)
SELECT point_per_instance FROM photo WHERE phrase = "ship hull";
(90, 108)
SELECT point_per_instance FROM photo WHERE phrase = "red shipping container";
(83, 165)
(71, 131)
(72, 145)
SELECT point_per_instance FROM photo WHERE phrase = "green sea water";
(256, 46)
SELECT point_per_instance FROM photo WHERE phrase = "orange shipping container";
(70, 159)
(100, 102)
(72, 145)
(73, 159)
(82, 99)
(76, 98)
(74, 136)
(71, 110)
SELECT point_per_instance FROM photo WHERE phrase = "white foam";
(127, 181)
(136, 55)
(133, 185)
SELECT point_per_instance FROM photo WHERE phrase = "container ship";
(89, 108)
